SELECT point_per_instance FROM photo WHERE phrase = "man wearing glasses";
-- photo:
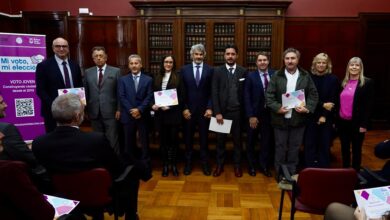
(58, 72)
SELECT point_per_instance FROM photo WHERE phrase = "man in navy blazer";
(135, 94)
(258, 115)
(58, 72)
(196, 79)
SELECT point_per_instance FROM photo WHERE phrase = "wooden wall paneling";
(11, 24)
(376, 50)
(53, 24)
(339, 37)
(116, 34)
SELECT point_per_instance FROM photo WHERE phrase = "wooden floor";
(227, 197)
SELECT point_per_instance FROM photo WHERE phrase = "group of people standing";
(253, 101)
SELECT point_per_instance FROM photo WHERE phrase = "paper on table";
(374, 201)
(293, 99)
(61, 206)
(166, 97)
(224, 128)
(78, 91)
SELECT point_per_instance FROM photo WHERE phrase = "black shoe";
(187, 169)
(165, 171)
(175, 172)
(252, 171)
(206, 169)
(266, 172)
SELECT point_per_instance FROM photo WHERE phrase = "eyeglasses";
(61, 46)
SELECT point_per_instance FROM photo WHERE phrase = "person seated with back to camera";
(68, 149)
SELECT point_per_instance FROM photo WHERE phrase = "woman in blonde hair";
(318, 137)
(354, 114)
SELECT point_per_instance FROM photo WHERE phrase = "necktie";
(265, 81)
(135, 78)
(100, 77)
(66, 75)
(231, 71)
(197, 75)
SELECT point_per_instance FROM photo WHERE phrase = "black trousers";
(350, 136)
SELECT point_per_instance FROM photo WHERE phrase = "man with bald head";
(55, 73)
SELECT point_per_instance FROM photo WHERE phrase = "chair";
(316, 188)
(91, 187)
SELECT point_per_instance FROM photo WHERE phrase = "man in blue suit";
(259, 116)
(135, 94)
(58, 72)
(196, 78)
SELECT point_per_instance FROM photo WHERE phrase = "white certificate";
(220, 128)
(61, 206)
(78, 91)
(166, 98)
(374, 201)
(293, 99)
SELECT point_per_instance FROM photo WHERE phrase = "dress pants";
(131, 129)
(236, 135)
(109, 126)
(197, 119)
(349, 135)
(287, 143)
(264, 133)
(318, 139)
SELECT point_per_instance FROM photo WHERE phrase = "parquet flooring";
(226, 197)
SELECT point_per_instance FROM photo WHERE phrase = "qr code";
(24, 107)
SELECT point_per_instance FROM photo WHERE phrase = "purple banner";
(19, 56)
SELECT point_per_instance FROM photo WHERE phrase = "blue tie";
(135, 78)
(197, 76)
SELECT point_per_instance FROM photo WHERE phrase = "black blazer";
(67, 149)
(172, 116)
(362, 103)
(219, 88)
(49, 79)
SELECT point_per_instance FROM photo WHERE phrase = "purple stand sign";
(19, 56)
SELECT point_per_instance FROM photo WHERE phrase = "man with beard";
(289, 124)
(227, 96)
(196, 79)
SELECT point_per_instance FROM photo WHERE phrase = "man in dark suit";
(258, 115)
(196, 79)
(227, 95)
(12, 146)
(135, 94)
(55, 73)
(67, 149)
(100, 84)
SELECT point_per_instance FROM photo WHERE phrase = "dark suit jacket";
(172, 116)
(49, 79)
(19, 198)
(103, 100)
(219, 89)
(362, 103)
(254, 95)
(129, 98)
(196, 98)
(67, 149)
(14, 146)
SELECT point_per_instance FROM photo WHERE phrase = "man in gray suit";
(102, 99)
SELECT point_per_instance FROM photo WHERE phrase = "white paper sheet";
(166, 97)
(61, 206)
(78, 91)
(224, 128)
(293, 99)
(374, 201)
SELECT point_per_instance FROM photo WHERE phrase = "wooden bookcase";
(173, 26)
